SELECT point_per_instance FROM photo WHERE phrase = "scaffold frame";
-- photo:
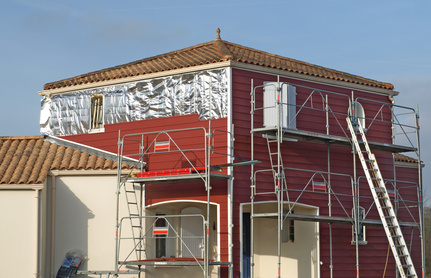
(280, 134)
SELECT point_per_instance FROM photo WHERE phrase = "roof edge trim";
(314, 79)
(14, 186)
(88, 149)
(62, 90)
(87, 172)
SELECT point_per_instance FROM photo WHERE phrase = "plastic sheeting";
(203, 92)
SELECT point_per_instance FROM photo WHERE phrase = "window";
(160, 231)
(357, 111)
(288, 232)
(271, 107)
(96, 112)
(360, 228)
(165, 236)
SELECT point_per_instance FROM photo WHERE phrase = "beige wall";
(85, 219)
(300, 258)
(18, 240)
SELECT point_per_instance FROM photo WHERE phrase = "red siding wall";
(407, 208)
(314, 156)
(191, 141)
(301, 155)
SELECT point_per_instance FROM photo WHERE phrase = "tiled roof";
(211, 53)
(28, 160)
(403, 158)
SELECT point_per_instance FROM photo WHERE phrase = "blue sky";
(46, 40)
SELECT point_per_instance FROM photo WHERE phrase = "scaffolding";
(138, 230)
(274, 113)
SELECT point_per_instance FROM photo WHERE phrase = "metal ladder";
(383, 203)
(275, 160)
(135, 219)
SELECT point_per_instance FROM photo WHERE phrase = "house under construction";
(247, 164)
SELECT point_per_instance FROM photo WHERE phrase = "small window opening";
(288, 233)
(161, 238)
(96, 116)
(359, 227)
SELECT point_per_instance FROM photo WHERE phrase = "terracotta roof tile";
(91, 164)
(28, 160)
(213, 52)
(83, 160)
(403, 158)
(58, 158)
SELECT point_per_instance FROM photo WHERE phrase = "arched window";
(357, 111)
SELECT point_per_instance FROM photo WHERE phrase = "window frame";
(358, 113)
(97, 122)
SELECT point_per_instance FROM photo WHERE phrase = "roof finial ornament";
(218, 34)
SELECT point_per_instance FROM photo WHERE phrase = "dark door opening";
(246, 238)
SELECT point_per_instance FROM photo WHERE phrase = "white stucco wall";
(85, 219)
(18, 243)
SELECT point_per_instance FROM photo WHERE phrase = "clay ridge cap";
(222, 48)
(48, 86)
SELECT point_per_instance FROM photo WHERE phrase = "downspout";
(52, 227)
(37, 233)
(230, 142)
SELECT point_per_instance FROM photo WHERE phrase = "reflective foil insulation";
(204, 93)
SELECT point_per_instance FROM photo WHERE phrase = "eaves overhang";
(223, 64)
(124, 80)
(313, 79)
(35, 186)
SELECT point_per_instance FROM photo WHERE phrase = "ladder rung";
(381, 197)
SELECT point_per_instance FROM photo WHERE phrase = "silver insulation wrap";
(204, 93)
